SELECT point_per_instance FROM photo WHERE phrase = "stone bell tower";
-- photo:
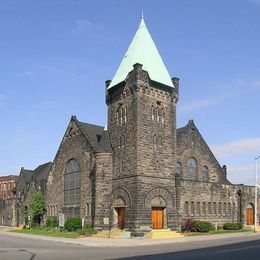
(141, 101)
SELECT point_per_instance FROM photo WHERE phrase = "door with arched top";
(250, 214)
(157, 218)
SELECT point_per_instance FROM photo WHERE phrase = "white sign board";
(61, 220)
(106, 221)
(82, 222)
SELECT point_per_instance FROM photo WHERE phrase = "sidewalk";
(112, 242)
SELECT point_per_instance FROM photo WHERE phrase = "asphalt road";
(14, 247)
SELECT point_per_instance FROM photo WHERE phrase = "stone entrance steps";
(163, 233)
(114, 233)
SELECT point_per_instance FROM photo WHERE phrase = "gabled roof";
(41, 172)
(142, 50)
(97, 136)
(27, 175)
(104, 143)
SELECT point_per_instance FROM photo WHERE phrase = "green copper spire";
(143, 50)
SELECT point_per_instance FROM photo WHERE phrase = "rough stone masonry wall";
(216, 203)
(149, 162)
(191, 144)
(7, 212)
(74, 145)
(103, 189)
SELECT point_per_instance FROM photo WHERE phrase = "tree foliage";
(37, 205)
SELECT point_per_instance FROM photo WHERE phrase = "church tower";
(141, 101)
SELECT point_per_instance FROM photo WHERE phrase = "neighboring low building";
(7, 201)
(29, 181)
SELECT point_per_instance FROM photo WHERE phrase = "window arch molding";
(192, 168)
(205, 173)
(179, 168)
(72, 183)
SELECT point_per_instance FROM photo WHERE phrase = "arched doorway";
(158, 207)
(119, 213)
(250, 214)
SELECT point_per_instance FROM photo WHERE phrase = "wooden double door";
(121, 217)
(250, 216)
(157, 218)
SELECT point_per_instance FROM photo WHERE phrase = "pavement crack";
(29, 252)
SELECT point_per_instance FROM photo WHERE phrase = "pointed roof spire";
(143, 50)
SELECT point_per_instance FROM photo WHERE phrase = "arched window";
(186, 208)
(160, 141)
(234, 209)
(209, 208)
(162, 116)
(204, 208)
(125, 114)
(192, 169)
(179, 168)
(117, 117)
(72, 183)
(122, 141)
(121, 167)
(121, 116)
(215, 208)
(205, 173)
(229, 209)
(224, 208)
(192, 209)
(219, 208)
(198, 208)
(154, 140)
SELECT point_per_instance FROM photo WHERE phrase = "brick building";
(7, 208)
(141, 172)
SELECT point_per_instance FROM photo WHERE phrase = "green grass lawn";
(216, 232)
(51, 233)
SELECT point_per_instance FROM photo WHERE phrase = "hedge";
(202, 226)
(232, 226)
(73, 223)
(52, 222)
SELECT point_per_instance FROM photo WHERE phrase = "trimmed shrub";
(52, 222)
(187, 224)
(202, 226)
(73, 223)
(232, 226)
(87, 231)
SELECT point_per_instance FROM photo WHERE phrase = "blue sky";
(55, 56)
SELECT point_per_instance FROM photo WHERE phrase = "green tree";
(37, 207)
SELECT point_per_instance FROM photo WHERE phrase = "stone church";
(141, 172)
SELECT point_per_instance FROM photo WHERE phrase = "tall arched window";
(219, 208)
(186, 208)
(204, 208)
(229, 209)
(215, 208)
(209, 208)
(198, 208)
(72, 183)
(224, 208)
(192, 208)
(205, 173)
(192, 169)
(179, 168)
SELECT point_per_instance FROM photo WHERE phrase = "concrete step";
(163, 233)
(114, 233)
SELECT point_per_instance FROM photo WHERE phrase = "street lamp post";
(256, 191)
